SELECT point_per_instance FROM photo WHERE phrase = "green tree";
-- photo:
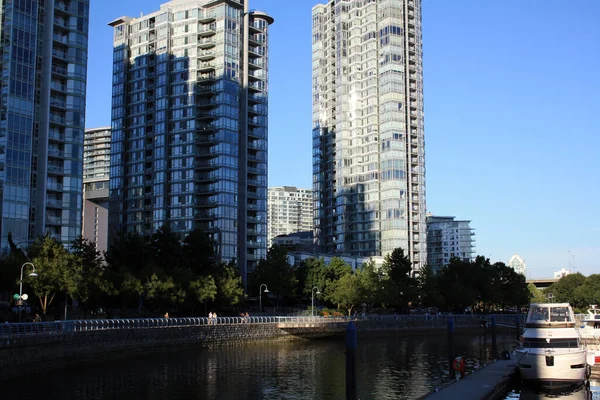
(166, 249)
(337, 268)
(204, 289)
(10, 269)
(86, 278)
(347, 292)
(371, 284)
(484, 281)
(399, 286)
(429, 289)
(276, 272)
(565, 289)
(536, 295)
(53, 264)
(510, 287)
(229, 285)
(588, 293)
(198, 253)
(457, 285)
(129, 262)
(316, 275)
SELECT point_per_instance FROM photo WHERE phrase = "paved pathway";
(484, 383)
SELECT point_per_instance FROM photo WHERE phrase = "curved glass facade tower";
(368, 140)
(189, 125)
(42, 118)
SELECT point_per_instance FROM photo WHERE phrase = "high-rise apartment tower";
(517, 263)
(42, 118)
(290, 211)
(189, 125)
(368, 143)
(96, 166)
(448, 238)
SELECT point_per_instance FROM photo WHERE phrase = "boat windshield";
(538, 314)
(560, 314)
(550, 314)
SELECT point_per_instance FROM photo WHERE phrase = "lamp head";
(266, 290)
(318, 292)
(33, 274)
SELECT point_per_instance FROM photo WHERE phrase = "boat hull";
(567, 368)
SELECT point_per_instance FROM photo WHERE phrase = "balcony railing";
(52, 220)
(59, 54)
(60, 38)
(59, 70)
(58, 86)
(57, 119)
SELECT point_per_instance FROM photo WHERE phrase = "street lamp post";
(313, 299)
(32, 274)
(260, 292)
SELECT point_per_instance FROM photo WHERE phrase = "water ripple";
(390, 367)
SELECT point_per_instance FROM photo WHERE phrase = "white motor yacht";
(592, 320)
(589, 332)
(550, 351)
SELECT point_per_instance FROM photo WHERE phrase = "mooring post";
(494, 342)
(351, 393)
(451, 354)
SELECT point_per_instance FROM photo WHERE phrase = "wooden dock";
(486, 383)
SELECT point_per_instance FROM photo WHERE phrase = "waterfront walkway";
(483, 384)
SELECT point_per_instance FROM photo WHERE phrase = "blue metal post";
(351, 392)
(451, 351)
(494, 342)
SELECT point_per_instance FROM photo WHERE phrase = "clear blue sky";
(511, 117)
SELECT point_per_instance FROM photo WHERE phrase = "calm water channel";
(582, 393)
(388, 368)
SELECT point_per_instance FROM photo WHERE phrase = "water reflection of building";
(189, 125)
(517, 263)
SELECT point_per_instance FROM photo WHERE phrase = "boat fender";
(459, 367)
(588, 371)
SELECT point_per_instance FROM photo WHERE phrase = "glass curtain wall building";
(368, 141)
(189, 125)
(42, 118)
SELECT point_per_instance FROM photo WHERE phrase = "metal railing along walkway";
(9, 330)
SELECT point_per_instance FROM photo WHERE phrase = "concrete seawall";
(44, 349)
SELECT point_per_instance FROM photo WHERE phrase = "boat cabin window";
(560, 314)
(535, 343)
(550, 314)
(539, 314)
